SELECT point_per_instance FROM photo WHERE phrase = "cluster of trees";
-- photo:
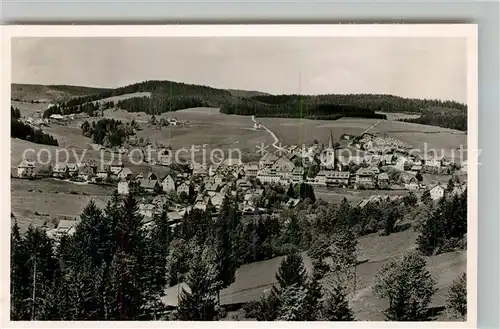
(157, 104)
(110, 269)
(108, 132)
(374, 102)
(65, 109)
(300, 109)
(115, 268)
(445, 228)
(15, 113)
(171, 96)
(452, 119)
(27, 132)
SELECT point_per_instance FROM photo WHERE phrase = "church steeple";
(330, 142)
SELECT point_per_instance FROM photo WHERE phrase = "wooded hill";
(171, 96)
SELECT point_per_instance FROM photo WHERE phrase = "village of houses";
(384, 165)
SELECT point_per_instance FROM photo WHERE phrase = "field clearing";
(305, 131)
(201, 126)
(36, 201)
(253, 279)
(122, 97)
(29, 109)
(396, 116)
(336, 195)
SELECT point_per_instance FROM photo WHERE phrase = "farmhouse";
(267, 160)
(26, 169)
(336, 178)
(115, 168)
(383, 181)
(125, 173)
(64, 227)
(433, 162)
(103, 172)
(298, 175)
(146, 209)
(123, 187)
(60, 170)
(437, 192)
(412, 184)
(268, 175)
(86, 173)
(168, 184)
(364, 178)
(183, 188)
(251, 170)
(150, 186)
(73, 169)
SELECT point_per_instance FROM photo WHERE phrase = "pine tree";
(198, 302)
(291, 271)
(456, 301)
(19, 277)
(335, 306)
(293, 304)
(314, 295)
(407, 286)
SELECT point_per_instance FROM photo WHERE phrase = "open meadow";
(374, 251)
(36, 201)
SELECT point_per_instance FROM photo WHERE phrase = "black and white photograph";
(240, 177)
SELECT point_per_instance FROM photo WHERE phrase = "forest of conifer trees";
(115, 268)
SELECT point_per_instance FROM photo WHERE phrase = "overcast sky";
(409, 67)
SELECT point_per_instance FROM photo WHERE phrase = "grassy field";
(124, 96)
(28, 109)
(44, 200)
(397, 116)
(201, 126)
(253, 279)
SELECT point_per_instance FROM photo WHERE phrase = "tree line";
(451, 119)
(171, 96)
(115, 268)
(107, 132)
(27, 132)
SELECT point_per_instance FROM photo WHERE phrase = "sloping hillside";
(50, 93)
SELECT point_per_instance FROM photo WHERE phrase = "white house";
(437, 192)
(60, 170)
(103, 172)
(26, 169)
(268, 175)
(251, 170)
(123, 187)
(183, 188)
(168, 184)
(433, 161)
(464, 166)
(64, 227)
(146, 209)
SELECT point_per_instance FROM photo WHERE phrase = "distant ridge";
(167, 96)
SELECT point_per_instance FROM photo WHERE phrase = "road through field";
(276, 140)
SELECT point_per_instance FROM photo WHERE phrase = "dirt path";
(273, 135)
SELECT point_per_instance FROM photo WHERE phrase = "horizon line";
(236, 89)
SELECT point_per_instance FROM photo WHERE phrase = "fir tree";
(335, 306)
(198, 302)
(456, 301)
(407, 286)
(291, 271)
(293, 304)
